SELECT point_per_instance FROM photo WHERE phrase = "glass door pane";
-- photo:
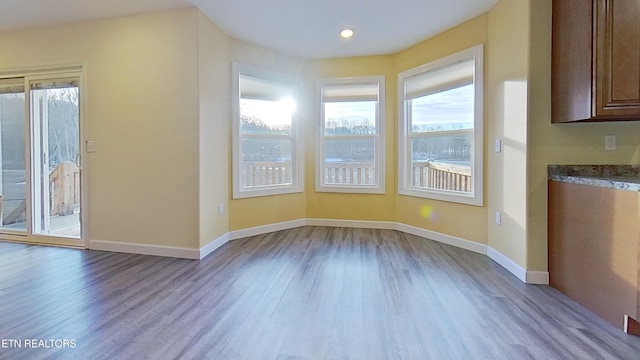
(55, 132)
(13, 181)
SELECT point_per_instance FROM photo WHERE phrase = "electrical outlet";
(498, 145)
(498, 217)
(221, 208)
(610, 142)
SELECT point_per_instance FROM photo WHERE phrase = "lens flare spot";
(426, 211)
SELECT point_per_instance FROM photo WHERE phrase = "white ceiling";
(304, 28)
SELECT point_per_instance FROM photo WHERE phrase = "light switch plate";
(91, 146)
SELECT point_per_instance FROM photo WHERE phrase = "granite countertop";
(619, 177)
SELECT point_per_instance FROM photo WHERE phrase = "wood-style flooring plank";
(304, 293)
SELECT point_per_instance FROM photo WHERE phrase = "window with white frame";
(440, 129)
(266, 147)
(350, 154)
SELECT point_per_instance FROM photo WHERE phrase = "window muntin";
(266, 148)
(440, 135)
(351, 138)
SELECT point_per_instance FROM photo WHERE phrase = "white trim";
(526, 276)
(64, 68)
(259, 230)
(507, 263)
(214, 245)
(84, 156)
(443, 238)
(537, 277)
(145, 249)
(358, 224)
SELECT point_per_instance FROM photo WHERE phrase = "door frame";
(30, 75)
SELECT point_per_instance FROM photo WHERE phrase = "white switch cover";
(498, 145)
(498, 217)
(91, 146)
(610, 142)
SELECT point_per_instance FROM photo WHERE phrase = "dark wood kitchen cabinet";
(595, 68)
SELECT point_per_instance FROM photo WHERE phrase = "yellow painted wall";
(265, 210)
(437, 216)
(142, 109)
(341, 206)
(214, 82)
(560, 143)
(158, 91)
(464, 221)
(507, 59)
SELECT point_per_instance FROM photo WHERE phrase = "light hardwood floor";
(304, 293)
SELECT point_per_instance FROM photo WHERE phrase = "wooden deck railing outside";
(258, 173)
(351, 173)
(64, 182)
(441, 176)
(427, 174)
(64, 185)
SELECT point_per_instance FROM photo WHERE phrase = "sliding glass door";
(41, 170)
(55, 131)
(13, 177)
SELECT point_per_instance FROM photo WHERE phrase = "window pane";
(350, 155)
(442, 161)
(350, 118)
(447, 110)
(267, 152)
(266, 149)
(14, 182)
(349, 162)
(440, 130)
(266, 162)
(266, 117)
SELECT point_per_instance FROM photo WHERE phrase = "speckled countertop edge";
(619, 177)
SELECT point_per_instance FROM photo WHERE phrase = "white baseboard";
(526, 276)
(145, 249)
(357, 224)
(443, 238)
(259, 230)
(507, 263)
(537, 277)
(214, 245)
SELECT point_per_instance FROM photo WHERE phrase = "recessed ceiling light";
(346, 33)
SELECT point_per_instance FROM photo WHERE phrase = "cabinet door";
(571, 61)
(593, 248)
(617, 81)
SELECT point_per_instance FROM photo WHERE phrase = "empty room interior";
(209, 179)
